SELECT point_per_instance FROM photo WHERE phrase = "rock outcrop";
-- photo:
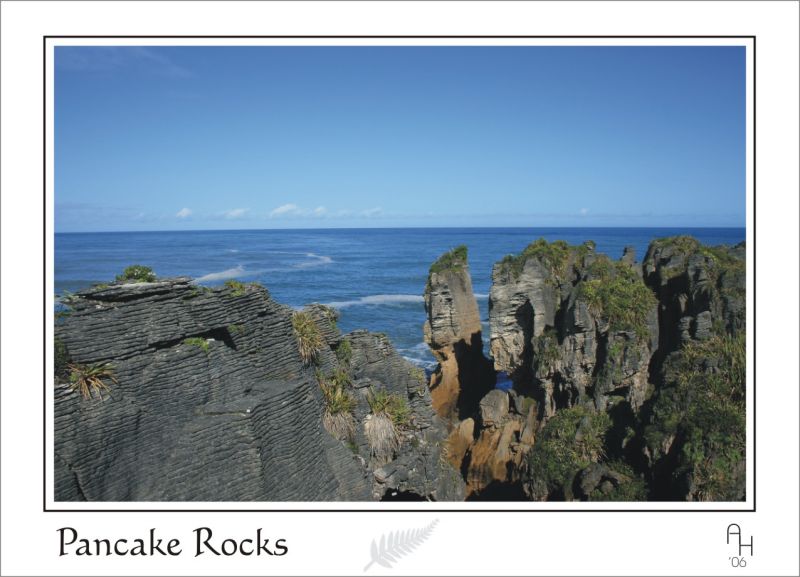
(211, 395)
(693, 437)
(571, 326)
(453, 332)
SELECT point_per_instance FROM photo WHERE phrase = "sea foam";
(377, 300)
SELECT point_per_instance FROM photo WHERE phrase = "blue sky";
(174, 138)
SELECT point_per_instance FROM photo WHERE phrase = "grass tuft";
(309, 338)
(392, 405)
(89, 379)
(382, 437)
(339, 405)
(198, 342)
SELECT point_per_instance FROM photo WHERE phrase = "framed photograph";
(331, 303)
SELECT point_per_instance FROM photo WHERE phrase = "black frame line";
(46, 379)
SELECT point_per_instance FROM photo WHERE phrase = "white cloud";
(236, 212)
(291, 209)
(284, 209)
(584, 211)
(184, 212)
(372, 211)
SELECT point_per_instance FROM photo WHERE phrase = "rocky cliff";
(606, 358)
(170, 391)
(453, 332)
(572, 326)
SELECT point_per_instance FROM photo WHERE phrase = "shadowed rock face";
(560, 328)
(701, 290)
(453, 331)
(233, 413)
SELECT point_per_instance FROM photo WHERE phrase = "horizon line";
(744, 227)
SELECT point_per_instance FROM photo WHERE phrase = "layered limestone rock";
(214, 395)
(453, 332)
(570, 326)
(693, 439)
(700, 289)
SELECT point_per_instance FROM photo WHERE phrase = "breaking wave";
(237, 271)
(318, 260)
(377, 300)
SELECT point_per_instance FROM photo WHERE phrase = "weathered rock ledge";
(209, 398)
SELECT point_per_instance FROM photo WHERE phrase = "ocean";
(374, 277)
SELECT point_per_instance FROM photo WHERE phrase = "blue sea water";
(374, 277)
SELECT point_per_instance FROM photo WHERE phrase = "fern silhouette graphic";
(397, 544)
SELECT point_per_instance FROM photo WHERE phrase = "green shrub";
(571, 440)
(89, 379)
(615, 292)
(454, 260)
(235, 329)
(137, 273)
(554, 255)
(632, 489)
(309, 338)
(198, 342)
(382, 437)
(344, 352)
(545, 349)
(703, 404)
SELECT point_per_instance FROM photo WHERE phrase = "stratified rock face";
(211, 400)
(570, 326)
(453, 331)
(506, 432)
(694, 432)
(418, 466)
(701, 289)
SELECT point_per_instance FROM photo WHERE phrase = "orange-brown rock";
(506, 436)
(453, 331)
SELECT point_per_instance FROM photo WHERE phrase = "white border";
(431, 506)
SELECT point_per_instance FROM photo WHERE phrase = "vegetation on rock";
(392, 405)
(60, 356)
(554, 255)
(309, 338)
(545, 349)
(571, 440)
(615, 292)
(238, 288)
(703, 406)
(137, 273)
(339, 405)
(198, 342)
(631, 488)
(344, 352)
(454, 260)
(89, 379)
